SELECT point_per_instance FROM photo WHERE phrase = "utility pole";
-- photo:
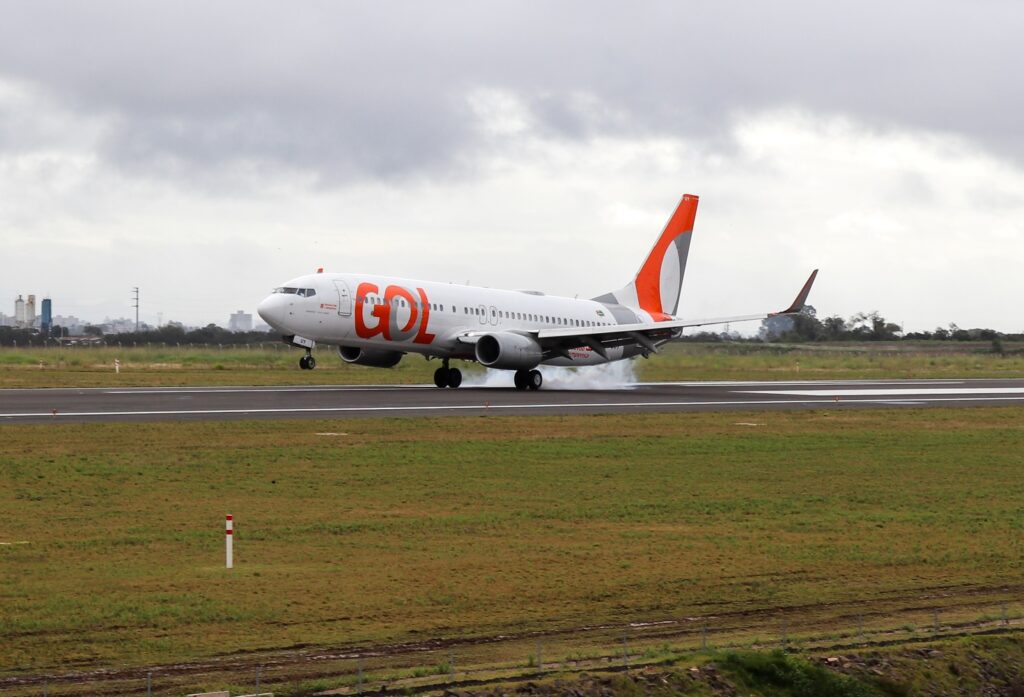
(135, 297)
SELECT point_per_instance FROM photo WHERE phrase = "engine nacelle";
(375, 358)
(509, 351)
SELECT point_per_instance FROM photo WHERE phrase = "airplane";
(376, 320)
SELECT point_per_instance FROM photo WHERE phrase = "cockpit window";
(289, 291)
(302, 292)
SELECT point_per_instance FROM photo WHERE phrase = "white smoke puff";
(618, 375)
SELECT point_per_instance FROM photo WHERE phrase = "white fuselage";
(383, 312)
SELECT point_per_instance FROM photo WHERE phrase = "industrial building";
(240, 322)
(25, 314)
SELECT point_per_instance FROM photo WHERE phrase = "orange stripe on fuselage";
(648, 281)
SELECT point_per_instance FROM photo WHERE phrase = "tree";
(835, 328)
(803, 326)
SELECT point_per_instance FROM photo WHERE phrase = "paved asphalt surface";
(333, 401)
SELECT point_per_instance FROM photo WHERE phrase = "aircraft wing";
(648, 335)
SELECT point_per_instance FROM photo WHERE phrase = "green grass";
(973, 665)
(277, 364)
(398, 529)
(776, 674)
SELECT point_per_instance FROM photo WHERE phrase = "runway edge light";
(229, 529)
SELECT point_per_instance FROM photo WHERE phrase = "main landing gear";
(528, 379)
(447, 377)
(307, 362)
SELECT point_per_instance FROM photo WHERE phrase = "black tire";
(454, 378)
(441, 377)
(303, 363)
(522, 379)
(535, 380)
(310, 363)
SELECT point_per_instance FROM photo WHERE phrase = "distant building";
(19, 312)
(240, 322)
(69, 324)
(122, 325)
(46, 319)
(30, 311)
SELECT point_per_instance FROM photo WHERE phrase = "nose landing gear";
(307, 362)
(447, 377)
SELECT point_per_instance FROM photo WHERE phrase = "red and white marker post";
(229, 529)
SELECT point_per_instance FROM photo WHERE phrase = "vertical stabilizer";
(657, 285)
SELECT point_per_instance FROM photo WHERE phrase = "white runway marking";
(247, 390)
(776, 383)
(489, 407)
(902, 392)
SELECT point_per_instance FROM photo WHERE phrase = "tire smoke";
(619, 375)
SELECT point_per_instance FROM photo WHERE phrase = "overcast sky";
(206, 152)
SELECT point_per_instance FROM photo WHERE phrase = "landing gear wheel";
(454, 378)
(522, 379)
(307, 362)
(441, 377)
(534, 380)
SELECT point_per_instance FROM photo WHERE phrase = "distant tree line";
(169, 335)
(863, 326)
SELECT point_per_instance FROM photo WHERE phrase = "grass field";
(376, 530)
(277, 364)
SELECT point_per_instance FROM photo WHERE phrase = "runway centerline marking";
(247, 390)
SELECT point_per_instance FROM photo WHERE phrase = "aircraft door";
(494, 314)
(344, 298)
(482, 313)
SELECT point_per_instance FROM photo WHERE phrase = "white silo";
(19, 312)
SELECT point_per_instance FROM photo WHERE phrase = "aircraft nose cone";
(271, 310)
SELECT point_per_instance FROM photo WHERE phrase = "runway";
(346, 401)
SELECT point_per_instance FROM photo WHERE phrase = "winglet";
(801, 298)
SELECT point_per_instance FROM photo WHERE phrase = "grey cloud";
(346, 91)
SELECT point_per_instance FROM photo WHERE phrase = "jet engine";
(375, 358)
(509, 351)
